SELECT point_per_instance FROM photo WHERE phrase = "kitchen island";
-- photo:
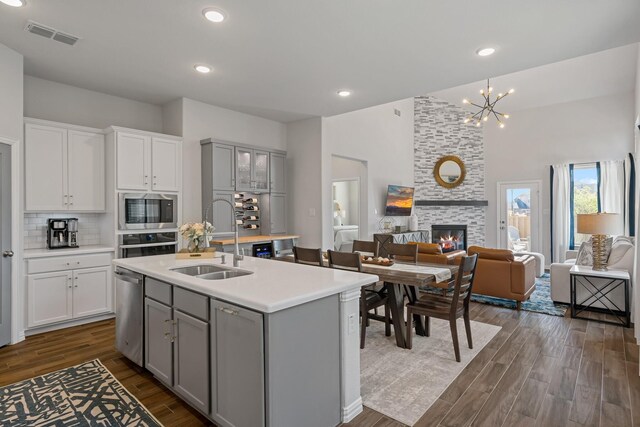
(276, 345)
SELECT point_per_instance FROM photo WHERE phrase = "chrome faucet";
(236, 252)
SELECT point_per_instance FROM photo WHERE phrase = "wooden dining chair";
(403, 252)
(369, 299)
(366, 247)
(448, 308)
(308, 256)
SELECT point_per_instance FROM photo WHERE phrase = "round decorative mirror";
(449, 171)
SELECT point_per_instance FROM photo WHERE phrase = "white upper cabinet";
(133, 161)
(86, 171)
(64, 169)
(165, 164)
(148, 163)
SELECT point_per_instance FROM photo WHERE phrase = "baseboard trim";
(352, 411)
(75, 322)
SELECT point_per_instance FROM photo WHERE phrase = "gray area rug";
(82, 395)
(402, 384)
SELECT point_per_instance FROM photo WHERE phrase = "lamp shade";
(598, 223)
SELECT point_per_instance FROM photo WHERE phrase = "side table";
(598, 286)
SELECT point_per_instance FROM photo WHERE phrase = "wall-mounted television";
(399, 201)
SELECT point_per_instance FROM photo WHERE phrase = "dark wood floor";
(538, 370)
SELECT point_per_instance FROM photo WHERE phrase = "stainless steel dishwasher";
(130, 314)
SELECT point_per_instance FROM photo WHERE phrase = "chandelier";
(488, 109)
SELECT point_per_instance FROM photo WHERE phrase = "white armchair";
(621, 258)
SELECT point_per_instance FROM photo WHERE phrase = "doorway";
(348, 202)
(5, 244)
(519, 216)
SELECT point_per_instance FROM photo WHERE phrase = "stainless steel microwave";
(146, 211)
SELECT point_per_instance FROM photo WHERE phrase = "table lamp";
(599, 225)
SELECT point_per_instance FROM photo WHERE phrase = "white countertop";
(586, 270)
(89, 249)
(273, 286)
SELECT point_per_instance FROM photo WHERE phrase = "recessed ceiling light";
(485, 51)
(204, 69)
(344, 93)
(14, 3)
(214, 15)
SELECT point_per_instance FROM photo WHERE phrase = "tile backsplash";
(35, 228)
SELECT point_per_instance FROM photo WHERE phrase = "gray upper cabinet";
(252, 170)
(220, 215)
(277, 163)
(191, 359)
(237, 366)
(158, 340)
(223, 167)
(244, 169)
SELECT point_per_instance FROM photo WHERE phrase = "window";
(585, 196)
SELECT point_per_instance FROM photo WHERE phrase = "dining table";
(401, 276)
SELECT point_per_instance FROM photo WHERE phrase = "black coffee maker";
(62, 233)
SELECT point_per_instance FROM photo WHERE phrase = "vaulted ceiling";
(286, 59)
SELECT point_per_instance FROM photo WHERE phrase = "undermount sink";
(211, 272)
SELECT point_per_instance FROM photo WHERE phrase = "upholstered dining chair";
(366, 247)
(308, 256)
(369, 300)
(448, 308)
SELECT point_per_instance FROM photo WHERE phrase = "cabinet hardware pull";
(67, 263)
(229, 311)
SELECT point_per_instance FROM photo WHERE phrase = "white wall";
(44, 99)
(583, 131)
(11, 96)
(172, 118)
(378, 137)
(304, 175)
(200, 121)
(637, 207)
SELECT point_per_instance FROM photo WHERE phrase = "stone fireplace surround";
(439, 131)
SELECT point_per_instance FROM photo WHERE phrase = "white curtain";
(561, 214)
(612, 190)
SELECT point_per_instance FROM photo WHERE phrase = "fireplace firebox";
(450, 237)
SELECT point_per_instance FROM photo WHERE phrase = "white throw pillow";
(620, 246)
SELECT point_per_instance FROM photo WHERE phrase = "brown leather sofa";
(432, 252)
(501, 274)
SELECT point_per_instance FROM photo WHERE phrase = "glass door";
(519, 216)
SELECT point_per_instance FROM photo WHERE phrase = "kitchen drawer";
(60, 263)
(191, 303)
(159, 291)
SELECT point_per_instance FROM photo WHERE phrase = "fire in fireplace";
(450, 237)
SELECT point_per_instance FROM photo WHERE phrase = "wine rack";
(247, 211)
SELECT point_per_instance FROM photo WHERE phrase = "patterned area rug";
(539, 302)
(82, 395)
(403, 384)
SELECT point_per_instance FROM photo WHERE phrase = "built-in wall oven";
(144, 211)
(133, 245)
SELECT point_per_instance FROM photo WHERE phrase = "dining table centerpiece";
(195, 233)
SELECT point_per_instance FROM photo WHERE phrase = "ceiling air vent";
(51, 33)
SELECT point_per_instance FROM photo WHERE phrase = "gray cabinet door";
(191, 360)
(277, 170)
(237, 366)
(260, 171)
(223, 167)
(221, 216)
(158, 336)
(278, 213)
(244, 169)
